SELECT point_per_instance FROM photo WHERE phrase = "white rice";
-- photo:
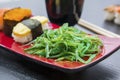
(117, 18)
(117, 21)
(46, 26)
(23, 39)
(109, 16)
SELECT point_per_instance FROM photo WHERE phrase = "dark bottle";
(62, 11)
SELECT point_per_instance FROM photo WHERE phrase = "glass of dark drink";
(64, 11)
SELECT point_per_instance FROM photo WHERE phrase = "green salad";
(66, 43)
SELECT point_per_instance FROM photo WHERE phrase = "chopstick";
(97, 29)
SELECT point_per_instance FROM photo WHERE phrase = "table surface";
(15, 68)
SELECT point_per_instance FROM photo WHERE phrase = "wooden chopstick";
(97, 29)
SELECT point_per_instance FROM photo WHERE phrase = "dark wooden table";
(16, 68)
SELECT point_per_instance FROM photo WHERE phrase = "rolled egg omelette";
(29, 29)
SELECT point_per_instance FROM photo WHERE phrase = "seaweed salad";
(66, 43)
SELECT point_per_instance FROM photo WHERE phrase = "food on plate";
(113, 13)
(2, 11)
(14, 16)
(43, 20)
(117, 15)
(27, 30)
(66, 43)
(110, 13)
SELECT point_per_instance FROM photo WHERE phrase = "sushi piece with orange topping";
(14, 16)
(2, 11)
(110, 13)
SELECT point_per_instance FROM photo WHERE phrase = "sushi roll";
(14, 16)
(43, 20)
(117, 15)
(109, 13)
(27, 30)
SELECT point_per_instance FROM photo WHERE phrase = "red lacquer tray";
(110, 46)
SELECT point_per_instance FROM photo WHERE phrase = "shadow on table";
(97, 72)
(37, 72)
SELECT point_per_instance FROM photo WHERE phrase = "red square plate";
(110, 46)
